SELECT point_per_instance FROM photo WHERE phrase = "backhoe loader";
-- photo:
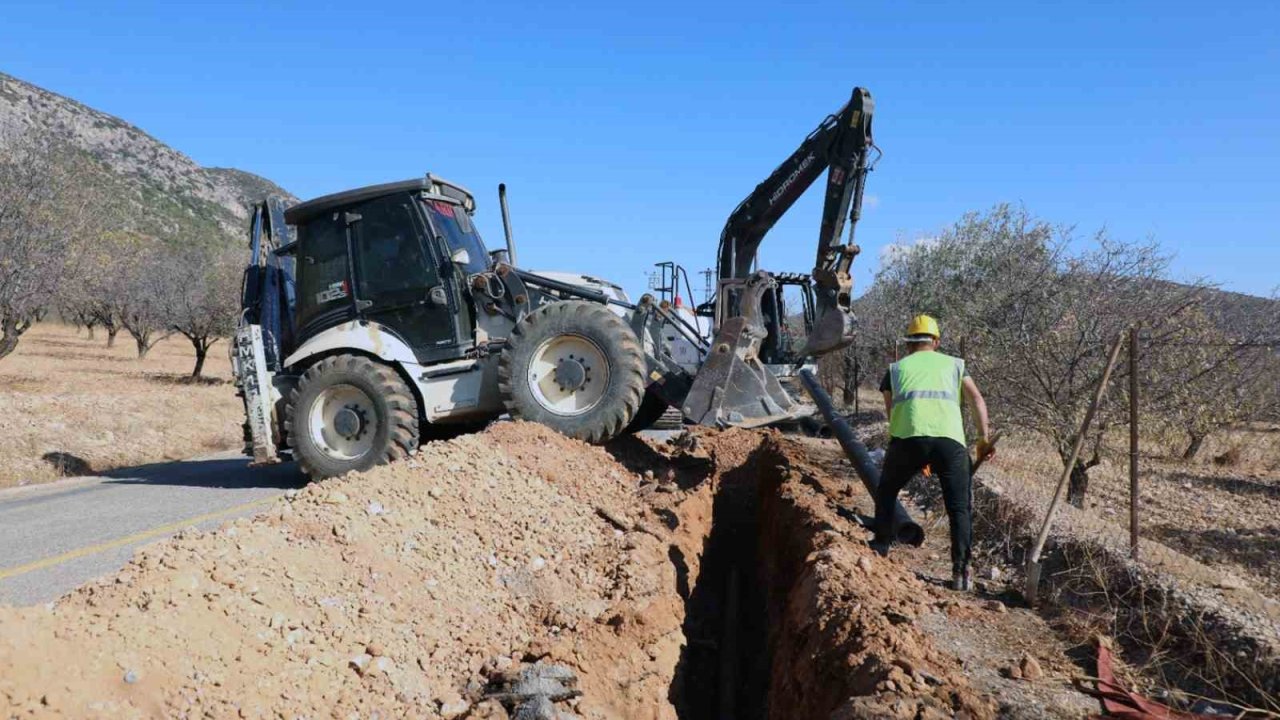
(375, 318)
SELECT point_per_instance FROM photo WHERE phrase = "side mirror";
(460, 257)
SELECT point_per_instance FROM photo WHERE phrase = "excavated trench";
(785, 615)
(713, 580)
(724, 669)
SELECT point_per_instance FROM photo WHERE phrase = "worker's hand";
(986, 448)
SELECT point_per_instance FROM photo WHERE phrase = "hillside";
(165, 192)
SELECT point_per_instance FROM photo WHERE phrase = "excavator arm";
(733, 387)
(839, 145)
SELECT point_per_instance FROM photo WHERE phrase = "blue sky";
(627, 132)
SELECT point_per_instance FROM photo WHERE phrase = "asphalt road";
(55, 537)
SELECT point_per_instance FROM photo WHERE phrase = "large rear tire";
(575, 367)
(350, 413)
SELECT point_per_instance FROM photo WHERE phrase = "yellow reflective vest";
(926, 396)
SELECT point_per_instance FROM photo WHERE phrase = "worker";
(922, 401)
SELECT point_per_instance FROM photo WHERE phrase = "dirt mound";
(397, 591)
(847, 641)
(695, 580)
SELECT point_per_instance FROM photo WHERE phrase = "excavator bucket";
(833, 331)
(733, 388)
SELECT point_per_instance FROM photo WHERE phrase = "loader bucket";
(833, 331)
(733, 388)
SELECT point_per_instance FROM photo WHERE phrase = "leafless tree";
(72, 310)
(138, 287)
(46, 208)
(1210, 375)
(95, 285)
(205, 300)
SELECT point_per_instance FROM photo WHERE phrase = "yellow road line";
(130, 539)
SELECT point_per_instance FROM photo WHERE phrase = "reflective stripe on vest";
(925, 395)
(895, 381)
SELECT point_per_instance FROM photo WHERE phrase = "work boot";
(961, 580)
(881, 547)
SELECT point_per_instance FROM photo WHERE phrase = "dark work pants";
(949, 461)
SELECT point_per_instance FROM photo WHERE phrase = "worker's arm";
(979, 407)
(888, 404)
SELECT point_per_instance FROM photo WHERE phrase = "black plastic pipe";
(905, 529)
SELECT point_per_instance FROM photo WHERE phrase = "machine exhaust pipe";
(506, 224)
(905, 529)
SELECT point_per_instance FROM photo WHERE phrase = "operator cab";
(397, 254)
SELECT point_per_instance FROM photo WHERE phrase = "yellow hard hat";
(922, 325)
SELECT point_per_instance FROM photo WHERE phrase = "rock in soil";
(1030, 668)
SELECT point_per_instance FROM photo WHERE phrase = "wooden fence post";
(1133, 442)
(1033, 560)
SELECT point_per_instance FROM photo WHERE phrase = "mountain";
(165, 193)
(1244, 318)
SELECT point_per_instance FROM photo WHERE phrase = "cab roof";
(431, 185)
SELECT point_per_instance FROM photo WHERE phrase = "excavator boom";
(733, 387)
(839, 145)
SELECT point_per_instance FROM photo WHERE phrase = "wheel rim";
(343, 422)
(568, 374)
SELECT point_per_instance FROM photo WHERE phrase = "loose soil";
(989, 634)
(683, 581)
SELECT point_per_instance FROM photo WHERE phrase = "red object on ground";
(1120, 702)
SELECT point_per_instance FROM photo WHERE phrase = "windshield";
(459, 233)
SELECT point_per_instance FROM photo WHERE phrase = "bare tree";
(75, 309)
(138, 287)
(45, 209)
(1209, 375)
(205, 300)
(91, 284)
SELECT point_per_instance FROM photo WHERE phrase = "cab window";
(322, 267)
(454, 224)
(391, 264)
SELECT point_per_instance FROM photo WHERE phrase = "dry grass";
(1226, 515)
(69, 404)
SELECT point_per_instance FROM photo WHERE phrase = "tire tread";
(566, 315)
(402, 416)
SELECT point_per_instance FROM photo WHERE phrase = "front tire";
(575, 367)
(347, 413)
